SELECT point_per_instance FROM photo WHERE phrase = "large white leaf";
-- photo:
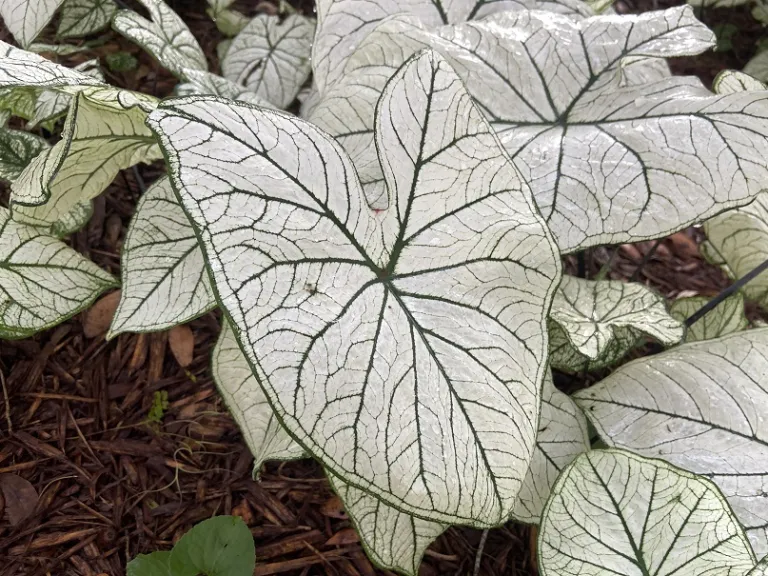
(25, 19)
(247, 403)
(593, 323)
(42, 280)
(52, 104)
(23, 69)
(393, 540)
(608, 161)
(270, 57)
(761, 569)
(17, 149)
(613, 512)
(199, 82)
(405, 350)
(84, 17)
(738, 239)
(104, 133)
(562, 436)
(732, 81)
(726, 318)
(700, 406)
(166, 37)
(163, 272)
(342, 24)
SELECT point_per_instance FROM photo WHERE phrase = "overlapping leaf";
(270, 57)
(761, 569)
(392, 539)
(199, 82)
(585, 137)
(25, 19)
(342, 25)
(594, 323)
(166, 37)
(265, 436)
(405, 350)
(52, 104)
(700, 406)
(23, 69)
(726, 318)
(163, 272)
(613, 512)
(17, 149)
(84, 17)
(732, 81)
(562, 436)
(42, 281)
(104, 133)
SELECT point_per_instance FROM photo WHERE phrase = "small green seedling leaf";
(121, 62)
(159, 406)
(219, 546)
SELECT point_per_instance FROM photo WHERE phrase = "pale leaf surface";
(25, 19)
(562, 436)
(20, 68)
(84, 17)
(265, 436)
(73, 220)
(405, 350)
(392, 540)
(166, 37)
(199, 82)
(42, 281)
(728, 317)
(163, 273)
(271, 58)
(103, 134)
(52, 104)
(700, 406)
(739, 238)
(597, 321)
(613, 512)
(733, 81)
(761, 569)
(342, 25)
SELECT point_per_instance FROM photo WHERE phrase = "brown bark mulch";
(90, 480)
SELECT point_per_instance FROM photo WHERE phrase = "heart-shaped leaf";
(405, 350)
(83, 17)
(25, 19)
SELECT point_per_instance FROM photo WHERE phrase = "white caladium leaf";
(163, 272)
(728, 317)
(231, 22)
(58, 49)
(42, 280)
(341, 25)
(23, 69)
(405, 350)
(562, 436)
(738, 239)
(757, 67)
(52, 104)
(613, 512)
(593, 323)
(17, 149)
(73, 220)
(248, 404)
(166, 37)
(761, 569)
(732, 81)
(393, 540)
(199, 82)
(270, 57)
(84, 17)
(700, 406)
(104, 133)
(569, 132)
(25, 19)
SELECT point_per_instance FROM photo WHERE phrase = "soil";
(93, 482)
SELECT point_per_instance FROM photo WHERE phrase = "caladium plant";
(389, 271)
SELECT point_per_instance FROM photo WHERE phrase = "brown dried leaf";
(343, 537)
(182, 343)
(333, 508)
(97, 319)
(20, 498)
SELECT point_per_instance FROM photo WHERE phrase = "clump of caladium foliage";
(388, 263)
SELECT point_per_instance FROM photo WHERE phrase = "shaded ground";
(97, 483)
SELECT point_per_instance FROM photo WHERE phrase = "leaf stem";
(709, 306)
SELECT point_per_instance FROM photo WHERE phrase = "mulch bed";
(93, 482)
